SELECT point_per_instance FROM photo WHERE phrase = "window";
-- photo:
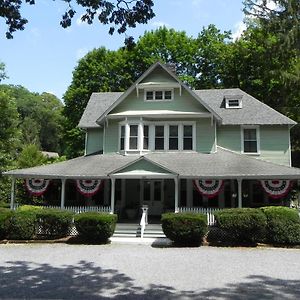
(146, 137)
(159, 95)
(233, 101)
(122, 138)
(187, 137)
(133, 137)
(173, 137)
(159, 137)
(250, 142)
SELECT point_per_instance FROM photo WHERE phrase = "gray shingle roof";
(252, 112)
(222, 164)
(98, 103)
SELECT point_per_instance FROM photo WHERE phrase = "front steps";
(130, 230)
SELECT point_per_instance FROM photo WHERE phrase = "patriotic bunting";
(88, 188)
(276, 188)
(36, 187)
(209, 188)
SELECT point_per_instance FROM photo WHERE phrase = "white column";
(12, 194)
(176, 194)
(63, 193)
(240, 204)
(112, 195)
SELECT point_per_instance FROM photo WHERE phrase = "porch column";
(176, 194)
(112, 195)
(63, 193)
(12, 193)
(240, 200)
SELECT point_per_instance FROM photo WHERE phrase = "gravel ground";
(119, 271)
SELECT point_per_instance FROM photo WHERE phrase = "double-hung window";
(187, 137)
(173, 137)
(159, 137)
(146, 137)
(133, 137)
(122, 138)
(250, 140)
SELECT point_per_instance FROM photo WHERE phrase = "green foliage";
(120, 14)
(5, 215)
(2, 71)
(30, 157)
(243, 225)
(95, 227)
(283, 225)
(184, 228)
(22, 225)
(30, 208)
(54, 222)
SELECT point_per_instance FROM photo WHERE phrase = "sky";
(44, 55)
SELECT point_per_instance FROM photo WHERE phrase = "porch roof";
(223, 164)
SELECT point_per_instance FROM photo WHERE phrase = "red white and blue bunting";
(209, 188)
(36, 187)
(276, 188)
(88, 188)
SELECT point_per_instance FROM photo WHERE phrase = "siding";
(94, 141)
(229, 137)
(111, 138)
(205, 136)
(274, 144)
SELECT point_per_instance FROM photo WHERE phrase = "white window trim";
(151, 137)
(257, 139)
(233, 107)
(163, 90)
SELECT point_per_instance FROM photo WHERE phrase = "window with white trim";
(133, 137)
(187, 137)
(159, 137)
(158, 95)
(233, 101)
(146, 137)
(122, 137)
(250, 140)
(173, 137)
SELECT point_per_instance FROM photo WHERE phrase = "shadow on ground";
(86, 281)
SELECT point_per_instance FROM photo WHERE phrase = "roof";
(223, 164)
(253, 111)
(97, 104)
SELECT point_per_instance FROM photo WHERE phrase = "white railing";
(77, 209)
(209, 212)
(144, 219)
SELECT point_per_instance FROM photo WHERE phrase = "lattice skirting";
(40, 232)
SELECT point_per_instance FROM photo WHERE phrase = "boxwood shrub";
(186, 229)
(5, 215)
(54, 223)
(95, 227)
(243, 225)
(22, 225)
(283, 225)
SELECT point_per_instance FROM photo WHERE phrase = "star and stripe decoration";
(88, 187)
(36, 186)
(276, 188)
(209, 188)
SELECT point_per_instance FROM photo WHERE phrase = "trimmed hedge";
(243, 225)
(186, 229)
(30, 208)
(283, 225)
(5, 215)
(53, 222)
(95, 227)
(22, 225)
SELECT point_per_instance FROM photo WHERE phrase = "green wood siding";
(94, 140)
(229, 137)
(111, 139)
(143, 165)
(274, 144)
(158, 75)
(205, 136)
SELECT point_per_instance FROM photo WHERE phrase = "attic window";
(159, 95)
(233, 101)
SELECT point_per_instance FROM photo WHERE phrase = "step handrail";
(144, 219)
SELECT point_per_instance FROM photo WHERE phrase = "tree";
(2, 71)
(121, 14)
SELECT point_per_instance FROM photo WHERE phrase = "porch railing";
(209, 212)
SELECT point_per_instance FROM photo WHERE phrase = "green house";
(169, 147)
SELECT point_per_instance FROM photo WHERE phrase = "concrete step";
(134, 230)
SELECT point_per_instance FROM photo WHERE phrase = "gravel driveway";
(118, 271)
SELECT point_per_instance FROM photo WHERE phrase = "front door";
(152, 195)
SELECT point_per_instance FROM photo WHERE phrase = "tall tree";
(2, 71)
(120, 14)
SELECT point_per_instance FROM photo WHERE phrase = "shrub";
(22, 225)
(95, 227)
(283, 225)
(243, 225)
(4, 204)
(5, 215)
(54, 222)
(185, 229)
(30, 208)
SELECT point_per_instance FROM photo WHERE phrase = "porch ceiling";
(223, 164)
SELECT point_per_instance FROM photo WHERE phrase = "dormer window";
(233, 101)
(159, 95)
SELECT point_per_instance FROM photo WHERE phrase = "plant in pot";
(131, 209)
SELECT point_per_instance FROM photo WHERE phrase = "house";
(164, 145)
